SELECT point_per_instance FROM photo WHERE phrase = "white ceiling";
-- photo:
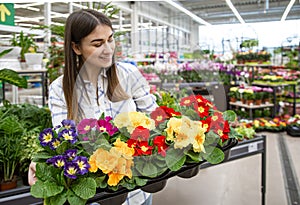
(212, 11)
(218, 12)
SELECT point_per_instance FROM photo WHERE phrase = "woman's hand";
(31, 173)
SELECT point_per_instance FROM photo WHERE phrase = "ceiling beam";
(236, 13)
(287, 10)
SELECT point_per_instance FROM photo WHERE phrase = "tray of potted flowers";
(103, 159)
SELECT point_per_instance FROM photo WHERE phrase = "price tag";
(252, 147)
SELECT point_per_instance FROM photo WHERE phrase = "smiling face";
(97, 48)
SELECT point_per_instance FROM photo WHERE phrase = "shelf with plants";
(254, 99)
(276, 86)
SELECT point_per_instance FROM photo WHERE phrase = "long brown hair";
(78, 25)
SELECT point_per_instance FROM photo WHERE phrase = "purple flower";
(46, 137)
(68, 124)
(68, 135)
(70, 170)
(57, 161)
(70, 154)
(86, 125)
(82, 163)
(106, 126)
(55, 143)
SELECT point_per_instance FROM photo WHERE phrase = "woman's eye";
(98, 44)
(110, 39)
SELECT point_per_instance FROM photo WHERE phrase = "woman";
(93, 83)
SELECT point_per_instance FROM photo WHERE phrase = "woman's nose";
(107, 47)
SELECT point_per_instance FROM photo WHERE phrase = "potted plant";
(233, 94)
(27, 44)
(11, 130)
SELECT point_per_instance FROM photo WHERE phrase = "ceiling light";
(287, 10)
(184, 10)
(236, 13)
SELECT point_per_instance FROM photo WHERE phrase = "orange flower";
(116, 162)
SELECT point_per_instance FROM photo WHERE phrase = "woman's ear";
(76, 48)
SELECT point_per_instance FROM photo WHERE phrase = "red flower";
(206, 123)
(188, 101)
(140, 134)
(226, 128)
(159, 115)
(223, 136)
(200, 99)
(203, 111)
(140, 147)
(160, 143)
(170, 111)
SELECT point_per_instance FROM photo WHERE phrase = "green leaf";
(216, 156)
(211, 138)
(73, 199)
(159, 162)
(52, 189)
(41, 156)
(101, 182)
(195, 156)
(59, 199)
(229, 115)
(175, 159)
(145, 168)
(62, 147)
(140, 182)
(38, 190)
(46, 172)
(12, 77)
(128, 185)
(149, 170)
(45, 189)
(84, 187)
(3, 53)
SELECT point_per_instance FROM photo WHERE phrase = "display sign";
(7, 14)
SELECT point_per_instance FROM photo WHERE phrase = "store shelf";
(251, 107)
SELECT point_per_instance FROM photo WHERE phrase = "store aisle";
(238, 181)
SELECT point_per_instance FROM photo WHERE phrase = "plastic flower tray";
(103, 194)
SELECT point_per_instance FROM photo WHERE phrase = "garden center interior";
(242, 56)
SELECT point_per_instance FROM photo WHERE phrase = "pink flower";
(86, 125)
(104, 125)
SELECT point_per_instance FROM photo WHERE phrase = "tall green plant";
(26, 42)
(11, 131)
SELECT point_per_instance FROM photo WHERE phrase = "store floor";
(239, 181)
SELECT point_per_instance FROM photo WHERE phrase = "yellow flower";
(199, 138)
(173, 127)
(234, 89)
(185, 132)
(131, 120)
